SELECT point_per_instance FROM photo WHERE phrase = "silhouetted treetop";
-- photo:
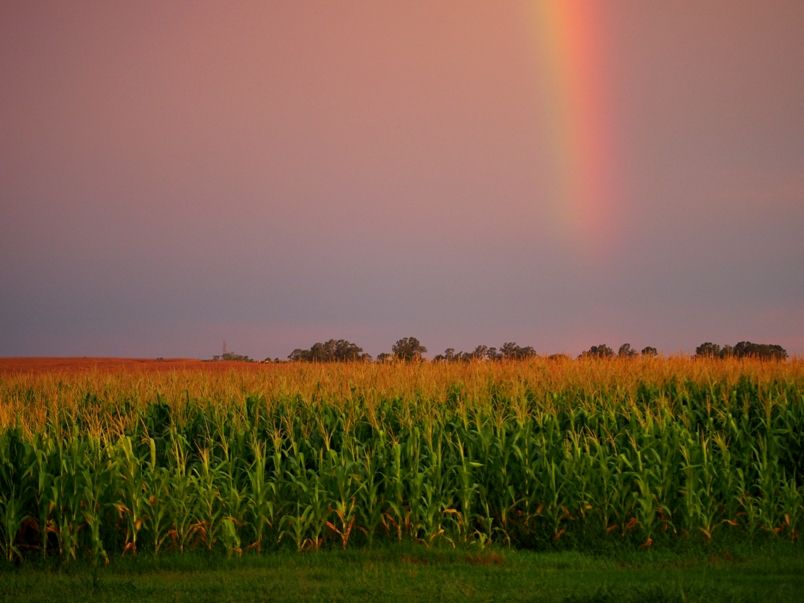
(743, 349)
(509, 351)
(513, 351)
(334, 350)
(708, 350)
(230, 356)
(598, 351)
(408, 349)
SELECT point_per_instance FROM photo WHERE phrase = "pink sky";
(173, 174)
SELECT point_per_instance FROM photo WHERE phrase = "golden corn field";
(533, 454)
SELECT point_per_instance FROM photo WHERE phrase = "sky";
(272, 174)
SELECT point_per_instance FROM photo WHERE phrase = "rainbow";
(571, 51)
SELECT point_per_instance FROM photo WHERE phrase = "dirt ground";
(45, 365)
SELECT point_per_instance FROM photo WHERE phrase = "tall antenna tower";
(225, 351)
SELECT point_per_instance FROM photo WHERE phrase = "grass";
(773, 571)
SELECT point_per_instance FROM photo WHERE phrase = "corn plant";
(530, 454)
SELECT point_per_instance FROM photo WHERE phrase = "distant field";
(83, 364)
(102, 459)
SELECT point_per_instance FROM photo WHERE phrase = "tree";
(408, 349)
(513, 351)
(649, 351)
(447, 356)
(299, 355)
(743, 349)
(232, 357)
(598, 351)
(479, 353)
(707, 350)
(626, 351)
(763, 351)
(509, 350)
(333, 350)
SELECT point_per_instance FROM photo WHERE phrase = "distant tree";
(479, 353)
(558, 357)
(513, 351)
(707, 350)
(232, 357)
(649, 351)
(509, 350)
(333, 350)
(598, 351)
(626, 351)
(408, 349)
(447, 356)
(493, 354)
(384, 357)
(743, 349)
(346, 351)
(763, 351)
(299, 355)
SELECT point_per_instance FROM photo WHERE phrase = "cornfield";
(532, 454)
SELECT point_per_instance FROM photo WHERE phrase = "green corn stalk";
(132, 495)
(369, 495)
(260, 507)
(208, 500)
(11, 515)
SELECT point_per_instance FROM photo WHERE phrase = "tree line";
(334, 350)
(410, 349)
(624, 351)
(743, 349)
